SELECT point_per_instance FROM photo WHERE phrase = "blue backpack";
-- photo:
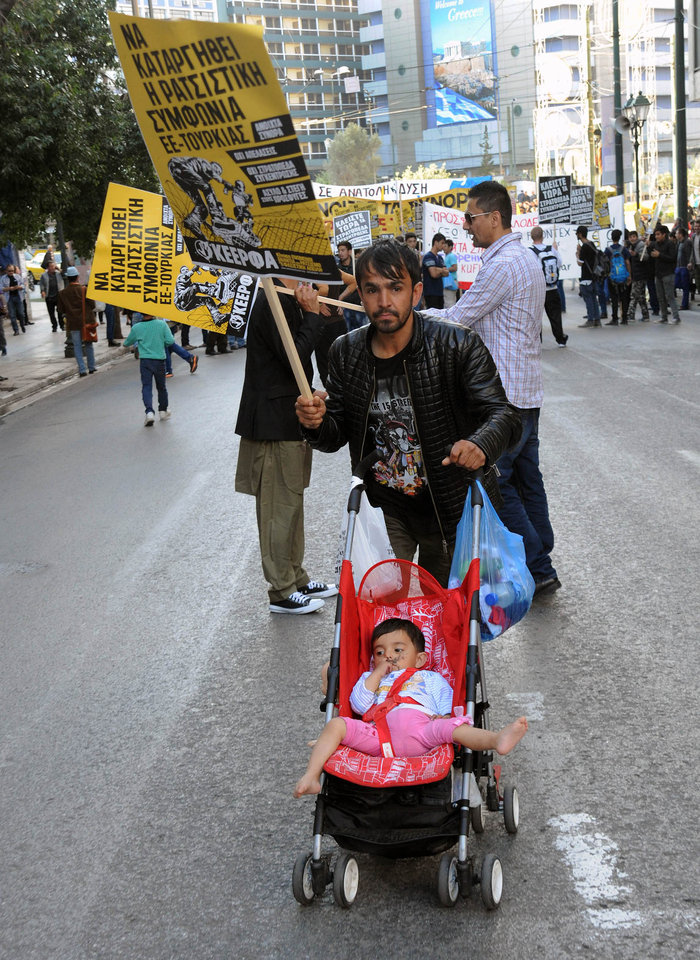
(618, 267)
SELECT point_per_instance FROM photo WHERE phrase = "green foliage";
(73, 129)
(353, 156)
(431, 172)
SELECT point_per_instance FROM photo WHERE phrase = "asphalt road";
(155, 717)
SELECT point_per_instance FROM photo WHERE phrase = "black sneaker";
(314, 588)
(297, 603)
(546, 586)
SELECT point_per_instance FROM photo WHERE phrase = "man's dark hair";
(450, 243)
(410, 236)
(661, 228)
(615, 236)
(681, 232)
(582, 231)
(492, 196)
(389, 259)
(436, 238)
(397, 623)
(345, 243)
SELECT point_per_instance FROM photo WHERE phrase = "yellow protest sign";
(215, 121)
(601, 213)
(141, 264)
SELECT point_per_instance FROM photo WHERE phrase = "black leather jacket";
(456, 394)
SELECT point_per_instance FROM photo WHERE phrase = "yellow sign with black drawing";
(215, 121)
(141, 264)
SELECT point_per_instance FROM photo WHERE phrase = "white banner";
(451, 224)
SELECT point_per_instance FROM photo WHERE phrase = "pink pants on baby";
(412, 733)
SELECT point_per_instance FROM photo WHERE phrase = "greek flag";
(451, 107)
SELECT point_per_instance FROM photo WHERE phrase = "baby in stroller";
(405, 709)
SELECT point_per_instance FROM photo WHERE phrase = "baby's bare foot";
(307, 784)
(510, 735)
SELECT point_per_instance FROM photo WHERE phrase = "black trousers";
(552, 307)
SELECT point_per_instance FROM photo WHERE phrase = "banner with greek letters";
(141, 264)
(215, 121)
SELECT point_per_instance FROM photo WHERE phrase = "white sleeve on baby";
(361, 699)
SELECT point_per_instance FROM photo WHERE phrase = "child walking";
(153, 337)
(421, 719)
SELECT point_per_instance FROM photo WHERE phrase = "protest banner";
(450, 223)
(601, 216)
(141, 264)
(355, 228)
(582, 208)
(217, 127)
(554, 199)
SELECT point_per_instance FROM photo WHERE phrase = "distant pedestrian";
(663, 252)
(10, 287)
(434, 270)
(152, 337)
(619, 279)
(3, 314)
(683, 261)
(450, 286)
(585, 257)
(638, 271)
(79, 317)
(50, 285)
(48, 258)
(550, 259)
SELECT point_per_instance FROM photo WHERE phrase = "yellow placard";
(141, 263)
(601, 214)
(215, 121)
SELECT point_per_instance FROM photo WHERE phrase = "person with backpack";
(619, 278)
(550, 259)
(588, 282)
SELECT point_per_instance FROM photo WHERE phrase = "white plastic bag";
(370, 543)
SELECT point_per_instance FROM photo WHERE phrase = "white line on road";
(532, 704)
(692, 456)
(592, 859)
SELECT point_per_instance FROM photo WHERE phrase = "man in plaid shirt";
(504, 305)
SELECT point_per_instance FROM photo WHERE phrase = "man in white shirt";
(504, 305)
(550, 260)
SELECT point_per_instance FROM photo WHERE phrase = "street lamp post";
(636, 111)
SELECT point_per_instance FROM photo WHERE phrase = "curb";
(14, 399)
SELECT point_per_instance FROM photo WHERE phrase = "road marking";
(592, 859)
(692, 456)
(532, 704)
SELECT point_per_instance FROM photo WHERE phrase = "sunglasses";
(468, 217)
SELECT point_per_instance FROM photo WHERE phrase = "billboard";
(460, 61)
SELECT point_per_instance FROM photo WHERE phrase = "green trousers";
(276, 473)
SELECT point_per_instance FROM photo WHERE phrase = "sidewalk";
(35, 359)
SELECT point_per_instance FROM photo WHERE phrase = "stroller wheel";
(491, 881)
(448, 880)
(346, 879)
(302, 880)
(477, 818)
(511, 809)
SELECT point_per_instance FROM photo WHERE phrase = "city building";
(212, 10)
(317, 51)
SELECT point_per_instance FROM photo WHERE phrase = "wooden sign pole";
(286, 335)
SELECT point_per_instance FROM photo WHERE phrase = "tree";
(431, 172)
(73, 129)
(487, 167)
(353, 156)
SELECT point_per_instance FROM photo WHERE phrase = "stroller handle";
(358, 476)
(474, 475)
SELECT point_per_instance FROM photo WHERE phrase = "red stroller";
(408, 806)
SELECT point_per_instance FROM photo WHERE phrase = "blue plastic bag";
(507, 586)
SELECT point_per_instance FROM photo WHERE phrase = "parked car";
(35, 269)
